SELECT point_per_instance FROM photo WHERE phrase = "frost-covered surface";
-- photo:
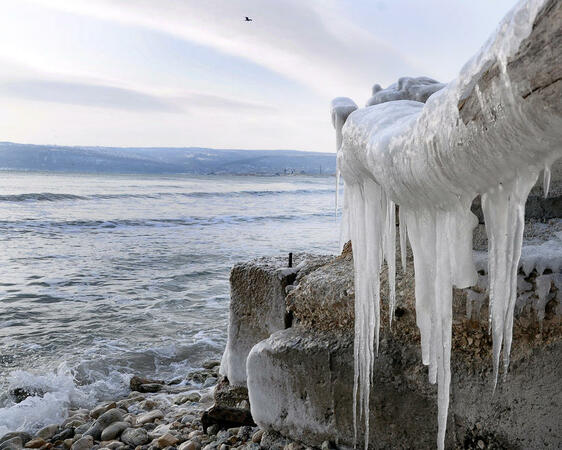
(432, 162)
(407, 88)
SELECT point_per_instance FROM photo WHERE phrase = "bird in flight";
(248, 19)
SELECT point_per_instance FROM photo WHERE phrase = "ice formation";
(432, 160)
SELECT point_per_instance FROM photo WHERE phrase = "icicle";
(390, 256)
(543, 288)
(546, 180)
(403, 238)
(337, 189)
(504, 214)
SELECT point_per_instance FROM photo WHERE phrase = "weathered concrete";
(257, 306)
(301, 379)
(305, 377)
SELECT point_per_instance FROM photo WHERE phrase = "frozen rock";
(257, 308)
(285, 398)
(407, 88)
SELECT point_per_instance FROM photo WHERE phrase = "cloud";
(199, 100)
(75, 93)
(311, 42)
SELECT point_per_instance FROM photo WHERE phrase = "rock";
(83, 428)
(14, 443)
(35, 443)
(22, 435)
(325, 298)
(67, 433)
(100, 409)
(227, 395)
(103, 421)
(166, 440)
(257, 309)
(287, 399)
(256, 437)
(150, 417)
(47, 432)
(226, 417)
(212, 430)
(114, 430)
(135, 437)
(136, 383)
(19, 394)
(84, 443)
(190, 445)
(211, 381)
(210, 364)
(150, 387)
(194, 434)
(68, 443)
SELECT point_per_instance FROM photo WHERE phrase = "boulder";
(523, 412)
(257, 307)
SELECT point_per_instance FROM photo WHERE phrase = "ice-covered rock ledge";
(489, 132)
(299, 378)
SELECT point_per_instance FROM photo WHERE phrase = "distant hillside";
(162, 160)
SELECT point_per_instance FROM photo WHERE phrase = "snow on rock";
(407, 88)
(481, 134)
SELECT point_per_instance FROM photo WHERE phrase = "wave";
(51, 394)
(52, 197)
(47, 226)
(39, 197)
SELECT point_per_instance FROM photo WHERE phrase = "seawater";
(106, 276)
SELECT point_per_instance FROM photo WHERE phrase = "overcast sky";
(194, 73)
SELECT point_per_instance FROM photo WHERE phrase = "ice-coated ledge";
(489, 132)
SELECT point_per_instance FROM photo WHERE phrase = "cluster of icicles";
(391, 154)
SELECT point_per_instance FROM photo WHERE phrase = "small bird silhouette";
(248, 19)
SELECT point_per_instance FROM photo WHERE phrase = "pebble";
(25, 437)
(166, 440)
(481, 444)
(150, 417)
(64, 434)
(114, 430)
(256, 438)
(47, 432)
(135, 437)
(35, 443)
(100, 409)
(14, 443)
(190, 445)
(84, 443)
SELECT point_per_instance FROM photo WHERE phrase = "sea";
(107, 276)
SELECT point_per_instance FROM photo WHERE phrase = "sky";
(194, 73)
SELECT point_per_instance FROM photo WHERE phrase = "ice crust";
(424, 158)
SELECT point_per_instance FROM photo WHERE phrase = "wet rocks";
(135, 437)
(150, 417)
(114, 430)
(84, 443)
(140, 384)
